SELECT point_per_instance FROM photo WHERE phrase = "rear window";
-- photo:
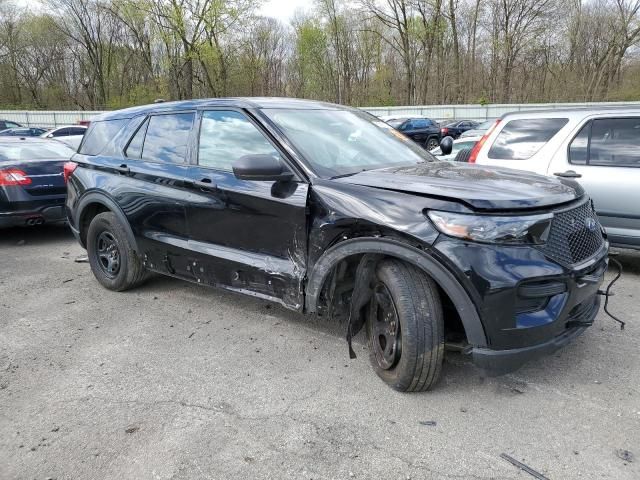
(99, 135)
(608, 142)
(40, 151)
(521, 139)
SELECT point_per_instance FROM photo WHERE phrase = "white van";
(599, 148)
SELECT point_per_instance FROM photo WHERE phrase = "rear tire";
(113, 260)
(405, 302)
(463, 155)
(431, 143)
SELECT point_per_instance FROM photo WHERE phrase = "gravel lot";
(178, 381)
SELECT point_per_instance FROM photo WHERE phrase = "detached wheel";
(405, 327)
(112, 258)
(431, 143)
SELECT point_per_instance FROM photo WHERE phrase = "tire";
(113, 260)
(463, 155)
(415, 362)
(431, 143)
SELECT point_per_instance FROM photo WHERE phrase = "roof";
(580, 111)
(238, 102)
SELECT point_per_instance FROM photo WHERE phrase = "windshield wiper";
(347, 174)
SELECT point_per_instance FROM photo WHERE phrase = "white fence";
(481, 112)
(44, 118)
(437, 112)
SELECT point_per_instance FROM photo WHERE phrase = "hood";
(480, 187)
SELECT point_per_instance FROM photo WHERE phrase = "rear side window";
(521, 139)
(167, 137)
(419, 123)
(609, 142)
(134, 150)
(99, 135)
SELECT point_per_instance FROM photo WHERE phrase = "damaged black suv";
(325, 209)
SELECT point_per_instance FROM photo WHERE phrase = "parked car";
(72, 141)
(32, 187)
(459, 144)
(455, 128)
(326, 209)
(66, 131)
(479, 130)
(599, 148)
(421, 130)
(22, 132)
(6, 124)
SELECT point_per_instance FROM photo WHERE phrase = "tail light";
(68, 169)
(478, 146)
(13, 176)
(444, 131)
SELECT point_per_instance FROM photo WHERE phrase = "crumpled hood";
(481, 187)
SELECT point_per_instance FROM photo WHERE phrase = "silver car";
(599, 148)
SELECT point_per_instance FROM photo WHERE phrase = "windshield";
(15, 151)
(396, 122)
(341, 142)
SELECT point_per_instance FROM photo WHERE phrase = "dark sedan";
(23, 132)
(32, 188)
(455, 128)
(421, 130)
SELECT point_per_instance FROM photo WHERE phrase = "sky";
(281, 9)
(284, 9)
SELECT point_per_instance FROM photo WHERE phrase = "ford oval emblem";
(591, 224)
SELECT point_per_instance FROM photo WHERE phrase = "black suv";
(325, 209)
(423, 131)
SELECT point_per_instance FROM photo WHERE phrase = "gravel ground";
(177, 381)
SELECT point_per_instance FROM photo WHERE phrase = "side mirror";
(446, 145)
(261, 167)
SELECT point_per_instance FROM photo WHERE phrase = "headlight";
(529, 229)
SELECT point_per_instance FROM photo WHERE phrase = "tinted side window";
(134, 149)
(99, 135)
(61, 132)
(580, 146)
(77, 131)
(226, 136)
(167, 137)
(420, 124)
(615, 142)
(521, 139)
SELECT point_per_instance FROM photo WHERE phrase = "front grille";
(575, 235)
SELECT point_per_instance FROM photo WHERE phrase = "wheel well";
(88, 214)
(335, 295)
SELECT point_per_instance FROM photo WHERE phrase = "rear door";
(605, 153)
(248, 236)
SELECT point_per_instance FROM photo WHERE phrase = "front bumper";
(529, 305)
(499, 362)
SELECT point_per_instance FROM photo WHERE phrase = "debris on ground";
(625, 455)
(82, 259)
(131, 429)
(523, 467)
(20, 243)
(428, 423)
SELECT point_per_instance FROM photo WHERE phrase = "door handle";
(568, 174)
(205, 184)
(123, 169)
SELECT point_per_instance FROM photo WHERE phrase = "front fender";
(393, 248)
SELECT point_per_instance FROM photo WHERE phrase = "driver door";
(248, 236)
